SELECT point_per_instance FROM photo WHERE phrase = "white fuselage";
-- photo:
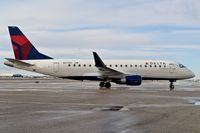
(150, 69)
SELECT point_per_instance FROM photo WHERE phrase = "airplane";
(129, 72)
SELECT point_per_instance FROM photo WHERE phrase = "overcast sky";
(116, 29)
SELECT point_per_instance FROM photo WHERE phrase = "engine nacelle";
(131, 80)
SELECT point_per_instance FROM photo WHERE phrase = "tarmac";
(65, 106)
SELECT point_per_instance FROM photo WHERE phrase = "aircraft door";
(171, 68)
(56, 67)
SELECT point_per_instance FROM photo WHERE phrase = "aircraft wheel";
(102, 84)
(171, 87)
(107, 84)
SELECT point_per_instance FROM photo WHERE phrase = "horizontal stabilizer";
(15, 61)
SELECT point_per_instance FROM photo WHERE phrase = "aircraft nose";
(191, 74)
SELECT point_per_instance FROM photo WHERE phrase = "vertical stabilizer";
(22, 47)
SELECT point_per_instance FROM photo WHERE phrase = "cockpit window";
(181, 66)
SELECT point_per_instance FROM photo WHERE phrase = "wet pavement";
(57, 106)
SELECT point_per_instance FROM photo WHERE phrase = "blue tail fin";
(22, 47)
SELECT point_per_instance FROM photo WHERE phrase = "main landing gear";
(171, 86)
(105, 84)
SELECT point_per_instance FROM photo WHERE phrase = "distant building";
(17, 75)
(10, 75)
(6, 75)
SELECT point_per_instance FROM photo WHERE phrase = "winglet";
(98, 61)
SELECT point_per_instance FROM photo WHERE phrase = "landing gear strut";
(171, 86)
(105, 84)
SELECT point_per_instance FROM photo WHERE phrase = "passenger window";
(121, 65)
(69, 65)
(135, 65)
(126, 65)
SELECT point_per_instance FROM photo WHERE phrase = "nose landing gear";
(171, 86)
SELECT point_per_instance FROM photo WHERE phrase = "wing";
(105, 71)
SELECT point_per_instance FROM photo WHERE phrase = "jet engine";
(133, 80)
